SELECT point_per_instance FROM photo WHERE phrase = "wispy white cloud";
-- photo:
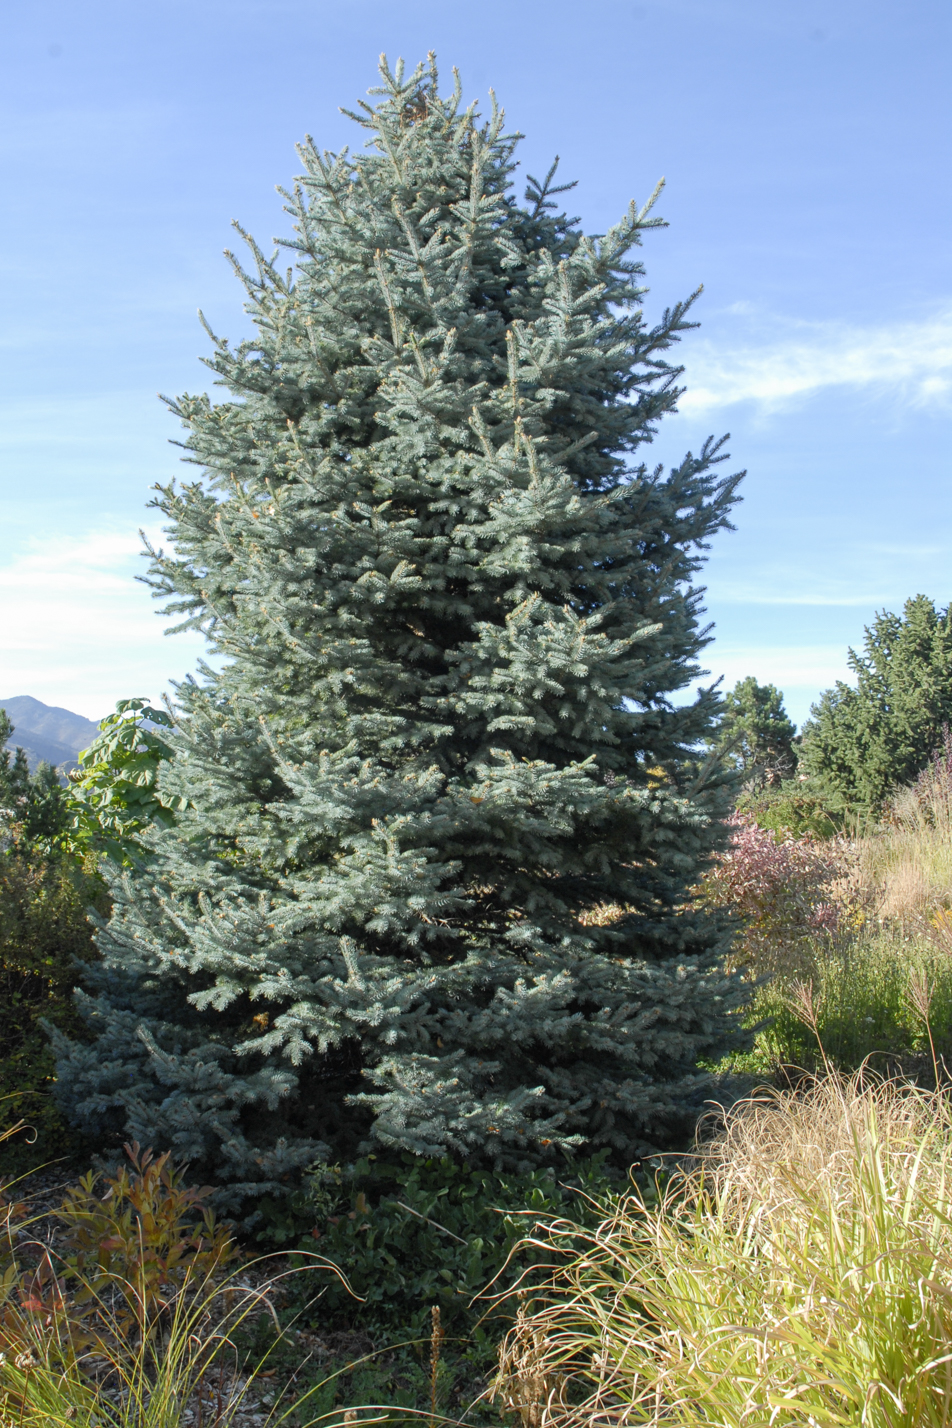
(911, 361)
(816, 664)
(79, 631)
(752, 595)
(802, 672)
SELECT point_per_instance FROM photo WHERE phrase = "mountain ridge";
(46, 732)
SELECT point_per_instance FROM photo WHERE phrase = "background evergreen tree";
(34, 806)
(861, 742)
(757, 733)
(431, 889)
(14, 772)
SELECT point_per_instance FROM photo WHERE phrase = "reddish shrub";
(783, 889)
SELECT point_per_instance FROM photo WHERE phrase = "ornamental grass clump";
(909, 862)
(799, 1272)
(862, 1006)
(126, 1319)
(156, 1382)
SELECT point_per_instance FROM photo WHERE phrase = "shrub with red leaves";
(783, 889)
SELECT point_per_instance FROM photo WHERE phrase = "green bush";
(863, 1001)
(44, 931)
(791, 808)
(114, 793)
(412, 1233)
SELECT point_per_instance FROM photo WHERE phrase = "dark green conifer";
(756, 733)
(14, 772)
(862, 741)
(34, 808)
(432, 887)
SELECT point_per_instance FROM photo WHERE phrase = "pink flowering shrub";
(785, 891)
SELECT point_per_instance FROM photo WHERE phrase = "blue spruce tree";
(431, 887)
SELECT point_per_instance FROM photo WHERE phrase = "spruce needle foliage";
(453, 613)
(861, 742)
(757, 734)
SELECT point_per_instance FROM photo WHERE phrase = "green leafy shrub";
(148, 1229)
(412, 1233)
(114, 791)
(44, 933)
(792, 809)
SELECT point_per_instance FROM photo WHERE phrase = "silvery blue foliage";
(444, 807)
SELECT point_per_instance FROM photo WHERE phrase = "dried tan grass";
(908, 863)
(800, 1273)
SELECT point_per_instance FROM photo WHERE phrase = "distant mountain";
(47, 733)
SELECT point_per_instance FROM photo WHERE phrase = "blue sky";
(805, 147)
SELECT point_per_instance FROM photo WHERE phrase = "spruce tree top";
(442, 403)
(862, 743)
(757, 734)
(431, 889)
